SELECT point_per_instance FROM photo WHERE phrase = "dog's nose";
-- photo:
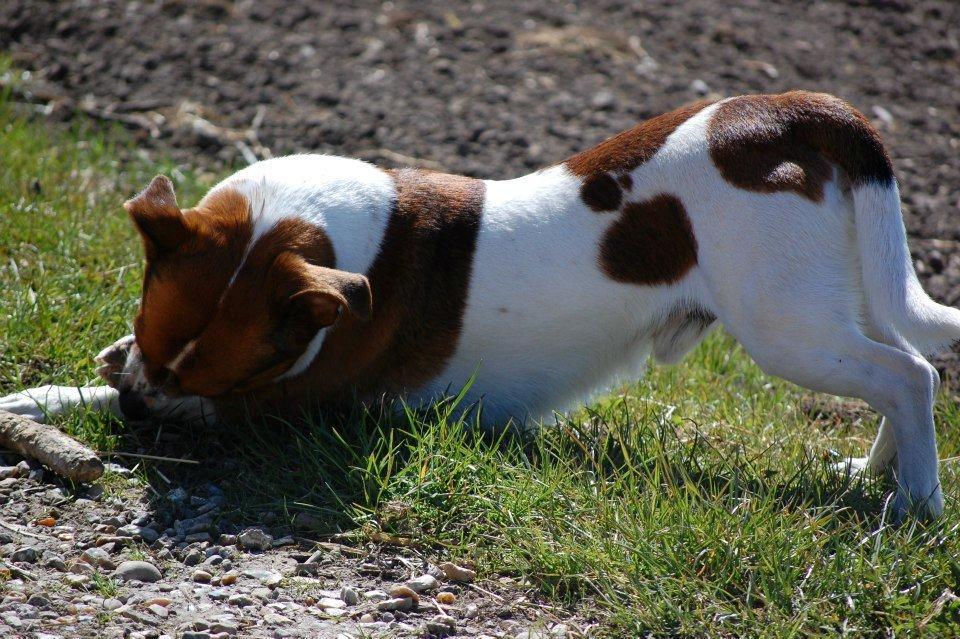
(132, 406)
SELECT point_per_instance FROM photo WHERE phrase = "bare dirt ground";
(492, 89)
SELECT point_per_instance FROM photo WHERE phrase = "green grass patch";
(695, 502)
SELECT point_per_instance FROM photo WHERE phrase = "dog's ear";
(156, 215)
(329, 292)
(309, 298)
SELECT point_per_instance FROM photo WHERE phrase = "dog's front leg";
(44, 402)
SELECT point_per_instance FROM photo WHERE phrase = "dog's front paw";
(112, 359)
(35, 403)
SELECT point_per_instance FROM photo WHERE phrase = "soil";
(493, 88)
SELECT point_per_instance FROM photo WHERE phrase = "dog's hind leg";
(824, 353)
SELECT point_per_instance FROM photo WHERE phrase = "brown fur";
(791, 141)
(419, 283)
(183, 281)
(256, 333)
(624, 152)
(601, 192)
(651, 243)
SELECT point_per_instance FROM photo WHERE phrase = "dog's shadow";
(313, 477)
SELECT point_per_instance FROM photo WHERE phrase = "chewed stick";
(59, 452)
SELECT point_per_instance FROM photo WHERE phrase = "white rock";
(423, 583)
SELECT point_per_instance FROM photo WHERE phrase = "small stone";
(266, 577)
(397, 603)
(228, 578)
(446, 598)
(148, 535)
(195, 635)
(330, 602)
(255, 539)
(199, 537)
(441, 626)
(201, 576)
(98, 557)
(224, 626)
(423, 583)
(227, 540)
(219, 594)
(158, 610)
(349, 596)
(240, 600)
(111, 604)
(38, 601)
(9, 472)
(76, 581)
(458, 573)
(138, 570)
(27, 554)
(471, 612)
(404, 591)
(47, 522)
(367, 618)
(375, 595)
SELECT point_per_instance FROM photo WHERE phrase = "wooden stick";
(60, 453)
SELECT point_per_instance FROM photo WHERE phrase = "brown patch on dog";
(791, 141)
(286, 290)
(191, 256)
(651, 243)
(624, 152)
(419, 282)
(601, 192)
(626, 181)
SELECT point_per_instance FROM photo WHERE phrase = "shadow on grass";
(332, 472)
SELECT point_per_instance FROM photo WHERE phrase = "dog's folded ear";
(158, 217)
(329, 292)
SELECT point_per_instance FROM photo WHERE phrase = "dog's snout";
(132, 405)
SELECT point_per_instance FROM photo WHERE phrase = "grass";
(695, 502)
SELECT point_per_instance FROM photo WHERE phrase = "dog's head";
(228, 307)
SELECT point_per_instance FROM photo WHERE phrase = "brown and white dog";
(323, 278)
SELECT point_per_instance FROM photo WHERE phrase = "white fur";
(820, 293)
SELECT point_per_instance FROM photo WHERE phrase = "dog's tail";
(895, 298)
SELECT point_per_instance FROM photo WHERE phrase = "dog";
(328, 278)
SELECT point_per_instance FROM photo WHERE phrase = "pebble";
(423, 583)
(228, 578)
(138, 570)
(255, 539)
(98, 557)
(330, 602)
(458, 573)
(27, 554)
(397, 603)
(441, 626)
(240, 600)
(266, 577)
(404, 591)
(8, 472)
(446, 598)
(349, 596)
(76, 581)
(201, 576)
(375, 595)
(193, 558)
(111, 604)
(367, 618)
(148, 535)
